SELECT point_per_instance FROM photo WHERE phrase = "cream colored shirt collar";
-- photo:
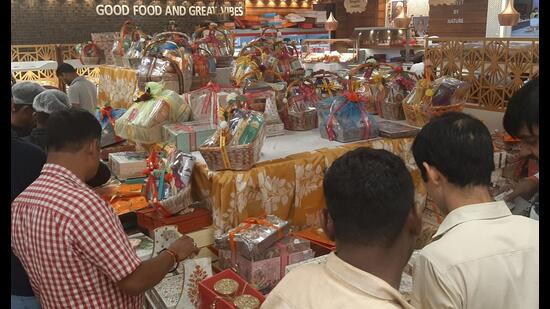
(362, 280)
(483, 211)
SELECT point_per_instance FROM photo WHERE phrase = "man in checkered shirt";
(70, 242)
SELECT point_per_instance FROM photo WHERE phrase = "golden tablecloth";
(291, 187)
(117, 86)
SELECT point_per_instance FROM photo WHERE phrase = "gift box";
(253, 236)
(128, 164)
(320, 243)
(124, 198)
(345, 119)
(150, 219)
(265, 269)
(188, 136)
(209, 298)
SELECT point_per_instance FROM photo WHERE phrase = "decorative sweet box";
(188, 136)
(264, 270)
(126, 165)
(151, 219)
(209, 298)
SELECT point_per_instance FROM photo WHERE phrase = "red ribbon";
(350, 98)
(213, 90)
(106, 111)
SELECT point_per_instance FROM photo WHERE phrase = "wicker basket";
(241, 157)
(298, 121)
(419, 115)
(178, 202)
(392, 110)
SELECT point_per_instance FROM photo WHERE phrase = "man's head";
(76, 135)
(453, 151)
(370, 200)
(521, 118)
(48, 102)
(66, 72)
(23, 95)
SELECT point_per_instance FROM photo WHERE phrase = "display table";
(117, 86)
(287, 182)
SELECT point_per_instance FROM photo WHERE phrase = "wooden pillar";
(59, 59)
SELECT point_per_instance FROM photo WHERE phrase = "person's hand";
(524, 188)
(184, 247)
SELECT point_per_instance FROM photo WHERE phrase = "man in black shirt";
(23, 95)
(26, 163)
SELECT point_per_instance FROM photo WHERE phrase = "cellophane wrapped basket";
(237, 143)
(89, 53)
(128, 33)
(345, 118)
(327, 84)
(168, 59)
(262, 97)
(205, 101)
(360, 81)
(204, 66)
(299, 111)
(218, 41)
(168, 187)
(398, 84)
(143, 121)
(427, 99)
(250, 67)
(132, 57)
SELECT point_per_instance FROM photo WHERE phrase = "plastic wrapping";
(205, 101)
(143, 121)
(299, 107)
(345, 119)
(327, 84)
(240, 128)
(449, 90)
(252, 237)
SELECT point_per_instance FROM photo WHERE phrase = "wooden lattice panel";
(495, 67)
(43, 77)
(20, 53)
(92, 73)
(69, 51)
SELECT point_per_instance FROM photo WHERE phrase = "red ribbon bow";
(360, 102)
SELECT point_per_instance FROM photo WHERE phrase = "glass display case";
(329, 51)
(387, 43)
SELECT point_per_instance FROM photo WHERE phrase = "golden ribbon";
(225, 157)
(329, 87)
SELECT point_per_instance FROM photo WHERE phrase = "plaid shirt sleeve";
(99, 237)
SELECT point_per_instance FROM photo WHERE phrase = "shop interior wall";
(444, 18)
(372, 17)
(72, 21)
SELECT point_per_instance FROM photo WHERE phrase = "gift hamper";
(398, 84)
(237, 143)
(143, 121)
(345, 118)
(167, 58)
(168, 186)
(299, 112)
(104, 42)
(264, 97)
(90, 54)
(258, 66)
(204, 101)
(218, 41)
(132, 57)
(121, 46)
(107, 116)
(204, 66)
(429, 99)
(327, 84)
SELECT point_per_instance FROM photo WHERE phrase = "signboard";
(168, 10)
(355, 6)
(458, 18)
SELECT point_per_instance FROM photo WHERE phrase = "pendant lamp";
(331, 24)
(402, 21)
(509, 17)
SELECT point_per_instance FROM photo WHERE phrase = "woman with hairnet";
(44, 105)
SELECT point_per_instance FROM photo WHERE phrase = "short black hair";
(64, 68)
(418, 57)
(459, 146)
(369, 194)
(523, 109)
(70, 130)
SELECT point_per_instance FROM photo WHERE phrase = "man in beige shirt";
(481, 256)
(372, 218)
(81, 92)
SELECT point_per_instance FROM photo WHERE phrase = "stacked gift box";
(260, 249)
